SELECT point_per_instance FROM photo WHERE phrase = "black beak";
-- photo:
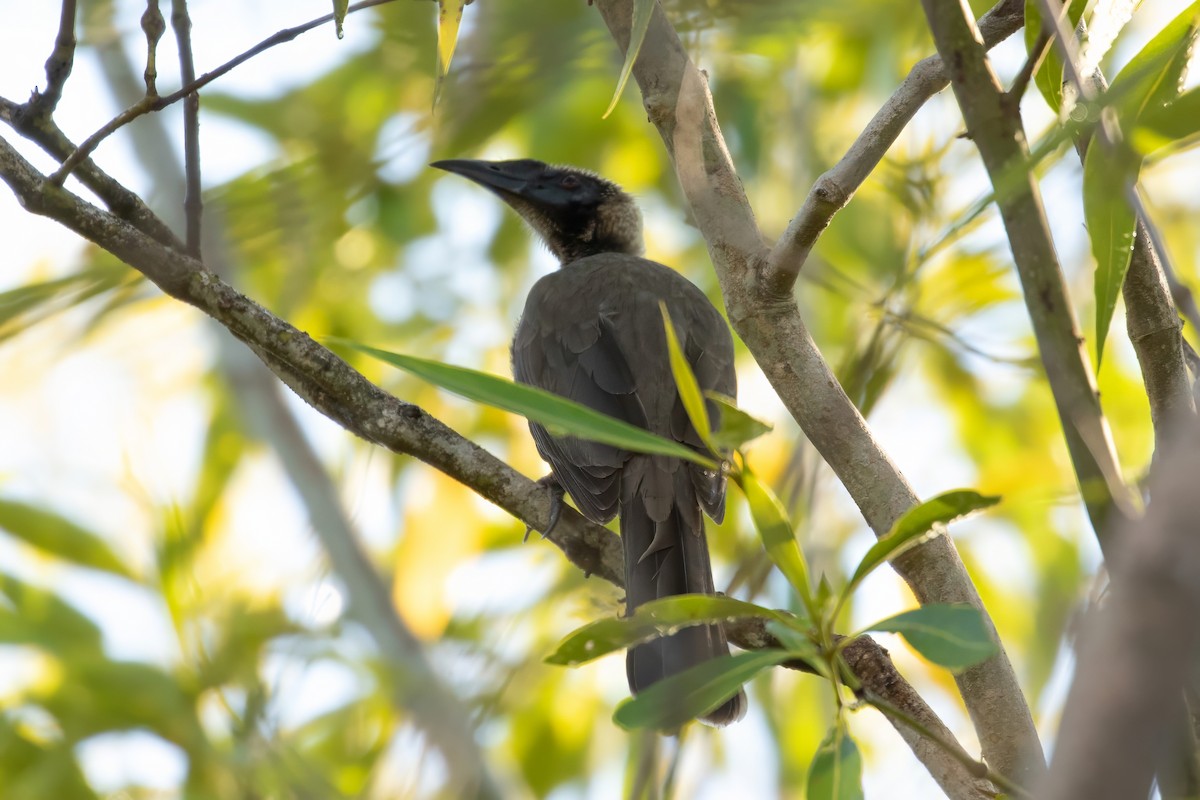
(502, 177)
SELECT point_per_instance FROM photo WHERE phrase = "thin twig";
(834, 189)
(58, 65)
(152, 104)
(154, 27)
(1037, 54)
(193, 204)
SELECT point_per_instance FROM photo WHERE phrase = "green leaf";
(836, 770)
(797, 643)
(773, 526)
(1154, 76)
(339, 15)
(685, 382)
(642, 10)
(1111, 225)
(673, 701)
(1049, 77)
(737, 427)
(954, 636)
(651, 620)
(1174, 122)
(60, 537)
(913, 525)
(32, 615)
(560, 416)
(25, 305)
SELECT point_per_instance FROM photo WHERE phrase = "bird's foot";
(556, 504)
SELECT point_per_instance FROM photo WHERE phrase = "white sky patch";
(112, 761)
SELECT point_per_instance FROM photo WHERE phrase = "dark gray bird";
(593, 332)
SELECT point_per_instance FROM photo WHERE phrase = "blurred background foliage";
(168, 626)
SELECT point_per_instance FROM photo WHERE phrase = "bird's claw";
(556, 505)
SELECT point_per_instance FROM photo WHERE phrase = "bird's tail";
(662, 529)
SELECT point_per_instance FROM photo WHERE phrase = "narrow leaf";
(1174, 122)
(685, 382)
(736, 426)
(339, 15)
(59, 537)
(1111, 224)
(773, 526)
(1049, 77)
(836, 770)
(642, 10)
(1154, 76)
(560, 416)
(953, 636)
(915, 524)
(671, 702)
(797, 643)
(449, 17)
(32, 615)
(651, 620)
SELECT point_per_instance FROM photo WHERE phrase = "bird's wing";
(592, 332)
(573, 351)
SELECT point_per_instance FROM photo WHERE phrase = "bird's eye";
(569, 182)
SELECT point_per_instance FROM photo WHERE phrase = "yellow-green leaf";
(642, 10)
(1111, 224)
(836, 770)
(560, 416)
(339, 15)
(914, 524)
(954, 636)
(671, 702)
(777, 534)
(59, 537)
(736, 426)
(651, 620)
(1049, 77)
(685, 382)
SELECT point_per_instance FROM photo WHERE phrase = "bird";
(592, 331)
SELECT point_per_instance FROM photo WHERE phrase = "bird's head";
(576, 213)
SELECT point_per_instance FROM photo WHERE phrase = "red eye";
(569, 182)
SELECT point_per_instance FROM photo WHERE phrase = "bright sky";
(124, 407)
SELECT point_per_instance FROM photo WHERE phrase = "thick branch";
(678, 103)
(1137, 650)
(994, 124)
(834, 189)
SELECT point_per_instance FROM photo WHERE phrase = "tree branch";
(58, 65)
(151, 103)
(677, 102)
(994, 124)
(193, 204)
(1137, 650)
(834, 189)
